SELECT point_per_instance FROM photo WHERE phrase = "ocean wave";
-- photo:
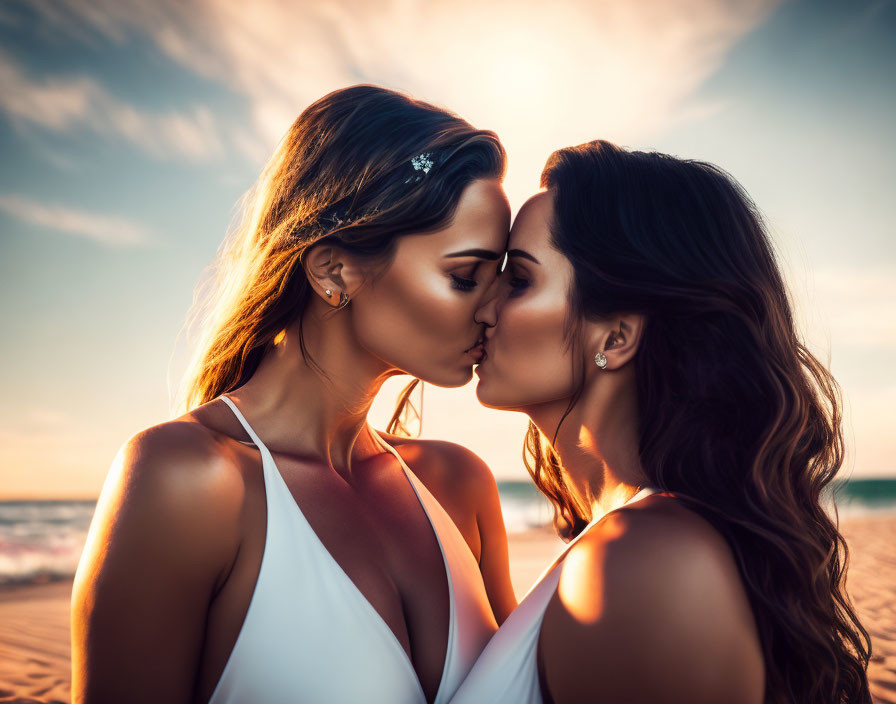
(42, 541)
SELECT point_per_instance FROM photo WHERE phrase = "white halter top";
(310, 635)
(507, 670)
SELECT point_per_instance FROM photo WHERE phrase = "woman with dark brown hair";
(684, 435)
(268, 545)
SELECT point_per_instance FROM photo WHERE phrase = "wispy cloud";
(542, 75)
(100, 228)
(69, 104)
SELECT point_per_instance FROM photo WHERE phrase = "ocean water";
(41, 541)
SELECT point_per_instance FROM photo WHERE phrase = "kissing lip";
(478, 353)
(480, 342)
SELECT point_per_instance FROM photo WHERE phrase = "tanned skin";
(650, 606)
(176, 544)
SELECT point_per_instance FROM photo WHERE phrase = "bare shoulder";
(450, 471)
(173, 484)
(462, 483)
(660, 554)
(163, 537)
(176, 463)
(466, 488)
(657, 536)
(653, 587)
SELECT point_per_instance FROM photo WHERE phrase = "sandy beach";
(34, 630)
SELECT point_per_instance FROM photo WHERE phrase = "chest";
(371, 534)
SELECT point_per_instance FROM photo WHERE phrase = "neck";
(317, 413)
(598, 442)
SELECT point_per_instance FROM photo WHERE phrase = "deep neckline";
(380, 622)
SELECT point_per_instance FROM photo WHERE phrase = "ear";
(618, 338)
(329, 267)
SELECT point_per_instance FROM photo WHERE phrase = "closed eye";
(462, 284)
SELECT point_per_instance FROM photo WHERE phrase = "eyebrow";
(522, 253)
(481, 253)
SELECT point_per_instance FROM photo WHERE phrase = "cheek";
(415, 321)
(528, 361)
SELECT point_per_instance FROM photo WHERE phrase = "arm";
(164, 532)
(651, 610)
(493, 560)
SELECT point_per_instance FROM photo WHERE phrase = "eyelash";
(517, 288)
(463, 284)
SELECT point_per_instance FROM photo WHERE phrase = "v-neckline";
(404, 656)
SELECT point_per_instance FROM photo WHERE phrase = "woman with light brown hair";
(268, 545)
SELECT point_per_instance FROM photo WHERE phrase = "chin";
(489, 399)
(448, 379)
(464, 378)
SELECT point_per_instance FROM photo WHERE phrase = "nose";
(487, 312)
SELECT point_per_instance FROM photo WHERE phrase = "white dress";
(507, 670)
(310, 635)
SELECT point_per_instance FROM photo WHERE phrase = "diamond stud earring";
(328, 292)
(600, 359)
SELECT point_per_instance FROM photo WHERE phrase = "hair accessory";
(421, 163)
(339, 215)
(600, 359)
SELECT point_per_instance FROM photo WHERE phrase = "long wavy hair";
(343, 173)
(737, 418)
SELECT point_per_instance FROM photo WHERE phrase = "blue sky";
(128, 131)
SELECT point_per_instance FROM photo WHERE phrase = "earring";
(600, 359)
(343, 300)
(328, 292)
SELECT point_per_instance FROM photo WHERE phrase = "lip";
(481, 364)
(477, 348)
(478, 353)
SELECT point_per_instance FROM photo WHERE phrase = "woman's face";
(418, 315)
(527, 359)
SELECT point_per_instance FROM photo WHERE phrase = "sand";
(34, 628)
(871, 581)
(34, 643)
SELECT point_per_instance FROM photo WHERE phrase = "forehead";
(481, 221)
(532, 226)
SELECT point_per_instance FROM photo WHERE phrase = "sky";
(129, 130)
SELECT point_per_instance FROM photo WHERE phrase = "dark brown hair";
(737, 418)
(342, 173)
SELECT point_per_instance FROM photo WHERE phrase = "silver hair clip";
(339, 216)
(422, 162)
